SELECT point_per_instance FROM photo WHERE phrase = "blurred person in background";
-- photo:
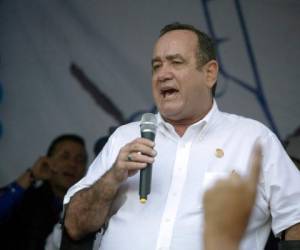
(54, 239)
(31, 205)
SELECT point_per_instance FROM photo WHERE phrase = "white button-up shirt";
(183, 169)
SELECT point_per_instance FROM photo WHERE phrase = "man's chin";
(171, 114)
(68, 182)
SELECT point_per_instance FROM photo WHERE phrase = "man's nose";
(73, 162)
(164, 73)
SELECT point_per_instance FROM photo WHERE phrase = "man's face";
(182, 92)
(67, 164)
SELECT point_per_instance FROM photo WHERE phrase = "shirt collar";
(206, 121)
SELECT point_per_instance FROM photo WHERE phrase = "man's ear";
(211, 72)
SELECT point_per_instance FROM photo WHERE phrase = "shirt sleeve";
(282, 185)
(10, 196)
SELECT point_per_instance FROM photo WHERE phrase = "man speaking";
(195, 145)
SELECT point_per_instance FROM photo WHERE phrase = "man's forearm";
(293, 233)
(88, 209)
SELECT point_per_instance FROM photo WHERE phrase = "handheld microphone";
(148, 129)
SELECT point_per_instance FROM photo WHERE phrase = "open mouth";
(168, 91)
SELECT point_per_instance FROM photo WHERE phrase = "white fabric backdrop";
(111, 41)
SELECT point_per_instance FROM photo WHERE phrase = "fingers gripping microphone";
(148, 129)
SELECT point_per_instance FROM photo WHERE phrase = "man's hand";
(133, 157)
(39, 171)
(41, 168)
(228, 205)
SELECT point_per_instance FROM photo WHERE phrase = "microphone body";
(148, 130)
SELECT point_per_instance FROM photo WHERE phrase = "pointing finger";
(253, 176)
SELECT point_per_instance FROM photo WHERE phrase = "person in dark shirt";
(31, 205)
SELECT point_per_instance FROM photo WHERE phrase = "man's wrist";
(108, 186)
(26, 179)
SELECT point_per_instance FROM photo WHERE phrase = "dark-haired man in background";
(196, 144)
(31, 205)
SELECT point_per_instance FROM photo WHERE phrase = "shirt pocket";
(209, 180)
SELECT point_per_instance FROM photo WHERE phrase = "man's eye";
(155, 66)
(81, 159)
(177, 62)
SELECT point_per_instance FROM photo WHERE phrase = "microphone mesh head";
(148, 123)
